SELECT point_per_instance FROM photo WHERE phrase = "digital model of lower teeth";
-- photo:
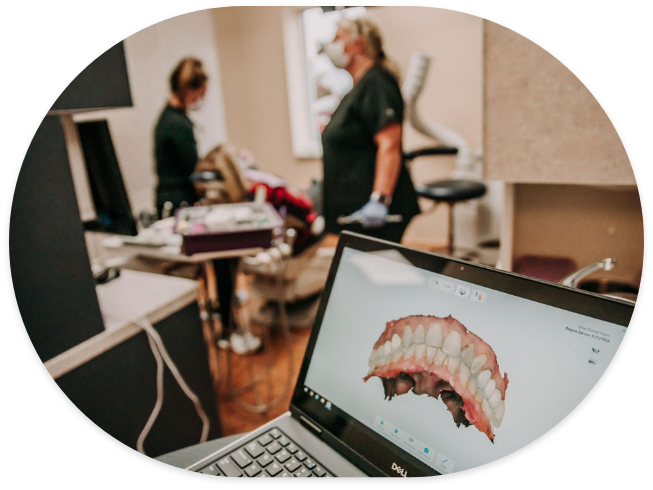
(439, 357)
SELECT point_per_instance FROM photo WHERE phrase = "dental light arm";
(411, 90)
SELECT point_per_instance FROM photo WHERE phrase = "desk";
(171, 253)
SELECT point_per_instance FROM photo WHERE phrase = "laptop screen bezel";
(362, 445)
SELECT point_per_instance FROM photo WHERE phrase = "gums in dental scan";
(439, 357)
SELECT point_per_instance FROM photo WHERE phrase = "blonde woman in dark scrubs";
(364, 172)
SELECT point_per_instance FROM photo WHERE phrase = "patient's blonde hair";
(371, 34)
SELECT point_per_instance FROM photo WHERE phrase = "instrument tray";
(222, 227)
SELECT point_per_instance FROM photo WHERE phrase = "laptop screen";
(452, 372)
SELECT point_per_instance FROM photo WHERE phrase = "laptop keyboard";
(272, 454)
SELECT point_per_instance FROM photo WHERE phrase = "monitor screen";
(454, 373)
(112, 208)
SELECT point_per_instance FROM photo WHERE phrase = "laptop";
(422, 365)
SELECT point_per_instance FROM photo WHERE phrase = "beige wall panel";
(541, 123)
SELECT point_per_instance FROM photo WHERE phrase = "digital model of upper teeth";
(439, 357)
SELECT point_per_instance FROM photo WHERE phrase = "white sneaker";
(243, 344)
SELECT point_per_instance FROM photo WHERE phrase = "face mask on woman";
(196, 106)
(335, 51)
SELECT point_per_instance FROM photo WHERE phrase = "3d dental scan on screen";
(439, 345)
(435, 382)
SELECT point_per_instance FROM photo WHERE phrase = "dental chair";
(450, 191)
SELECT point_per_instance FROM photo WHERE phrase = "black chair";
(450, 192)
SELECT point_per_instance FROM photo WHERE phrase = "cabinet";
(50, 267)
(111, 378)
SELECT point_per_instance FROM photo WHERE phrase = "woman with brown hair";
(174, 138)
(176, 159)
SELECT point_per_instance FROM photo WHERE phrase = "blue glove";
(372, 215)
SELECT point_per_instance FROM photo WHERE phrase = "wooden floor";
(276, 366)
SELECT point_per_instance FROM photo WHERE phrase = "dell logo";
(399, 470)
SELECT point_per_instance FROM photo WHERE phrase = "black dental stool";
(450, 191)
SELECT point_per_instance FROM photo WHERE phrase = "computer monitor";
(112, 208)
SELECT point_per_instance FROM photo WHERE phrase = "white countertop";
(129, 298)
(135, 295)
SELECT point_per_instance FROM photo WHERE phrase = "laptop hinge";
(310, 425)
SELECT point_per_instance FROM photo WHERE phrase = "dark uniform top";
(176, 157)
(350, 153)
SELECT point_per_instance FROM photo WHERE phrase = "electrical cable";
(156, 338)
(160, 366)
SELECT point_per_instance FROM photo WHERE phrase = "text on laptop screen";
(455, 374)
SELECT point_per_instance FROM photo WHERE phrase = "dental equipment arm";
(411, 90)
